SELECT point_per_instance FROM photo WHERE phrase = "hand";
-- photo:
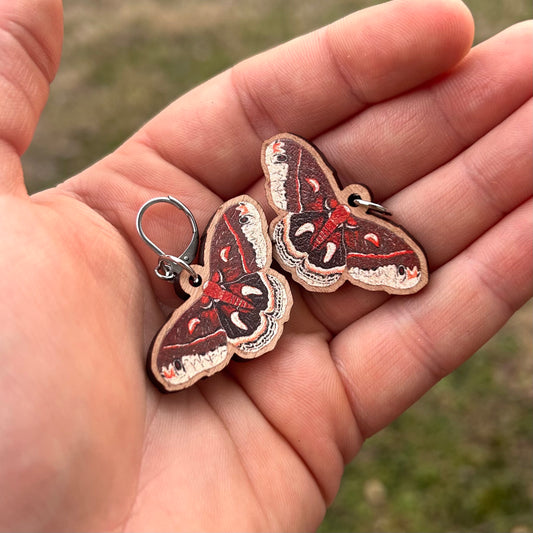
(390, 98)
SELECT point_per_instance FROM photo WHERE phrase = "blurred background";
(460, 459)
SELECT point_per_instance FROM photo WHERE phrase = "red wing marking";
(276, 147)
(169, 372)
(412, 273)
(239, 244)
(381, 256)
(194, 342)
(298, 181)
(224, 253)
(191, 326)
(373, 238)
(314, 184)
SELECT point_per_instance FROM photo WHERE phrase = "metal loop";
(170, 266)
(372, 205)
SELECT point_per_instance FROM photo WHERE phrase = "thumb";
(31, 35)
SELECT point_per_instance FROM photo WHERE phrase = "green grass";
(458, 460)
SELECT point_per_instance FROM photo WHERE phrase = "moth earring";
(237, 304)
(324, 235)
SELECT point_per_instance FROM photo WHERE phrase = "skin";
(396, 99)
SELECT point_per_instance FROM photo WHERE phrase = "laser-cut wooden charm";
(324, 235)
(237, 304)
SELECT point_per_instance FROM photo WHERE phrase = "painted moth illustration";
(323, 236)
(239, 306)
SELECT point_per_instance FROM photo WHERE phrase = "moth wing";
(318, 266)
(237, 244)
(192, 344)
(253, 325)
(382, 256)
(298, 178)
(257, 299)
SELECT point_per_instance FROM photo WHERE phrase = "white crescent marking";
(308, 226)
(191, 325)
(248, 289)
(314, 183)
(331, 248)
(237, 321)
(224, 254)
(373, 238)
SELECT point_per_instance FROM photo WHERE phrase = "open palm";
(389, 96)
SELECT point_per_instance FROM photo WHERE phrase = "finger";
(476, 190)
(30, 46)
(451, 208)
(394, 143)
(307, 86)
(423, 338)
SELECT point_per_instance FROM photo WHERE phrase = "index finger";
(307, 86)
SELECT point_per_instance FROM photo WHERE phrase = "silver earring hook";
(170, 266)
(355, 200)
(373, 206)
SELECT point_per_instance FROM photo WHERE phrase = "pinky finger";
(423, 338)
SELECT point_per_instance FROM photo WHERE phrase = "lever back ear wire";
(169, 266)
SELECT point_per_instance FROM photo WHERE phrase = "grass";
(458, 460)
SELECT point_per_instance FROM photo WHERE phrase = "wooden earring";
(237, 304)
(324, 235)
